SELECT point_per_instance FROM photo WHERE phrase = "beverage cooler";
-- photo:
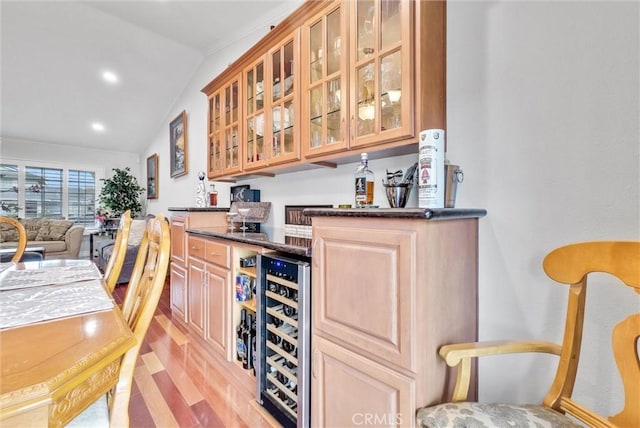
(283, 329)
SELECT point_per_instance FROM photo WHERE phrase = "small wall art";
(152, 176)
(178, 145)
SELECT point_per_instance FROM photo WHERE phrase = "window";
(43, 192)
(9, 190)
(49, 191)
(82, 196)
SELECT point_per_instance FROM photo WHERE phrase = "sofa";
(104, 248)
(61, 239)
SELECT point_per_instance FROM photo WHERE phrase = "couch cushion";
(32, 225)
(49, 246)
(8, 233)
(53, 230)
(136, 231)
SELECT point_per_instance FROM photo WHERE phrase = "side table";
(107, 234)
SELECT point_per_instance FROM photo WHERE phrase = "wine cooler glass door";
(283, 325)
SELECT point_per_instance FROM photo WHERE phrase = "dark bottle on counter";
(247, 339)
(241, 349)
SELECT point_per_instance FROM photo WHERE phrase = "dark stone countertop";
(199, 209)
(272, 238)
(400, 213)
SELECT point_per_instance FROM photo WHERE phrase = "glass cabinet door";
(214, 148)
(382, 65)
(231, 117)
(325, 82)
(284, 144)
(255, 149)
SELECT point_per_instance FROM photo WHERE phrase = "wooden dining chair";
(22, 236)
(570, 265)
(116, 259)
(138, 307)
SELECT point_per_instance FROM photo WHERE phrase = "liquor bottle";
(213, 196)
(241, 350)
(273, 287)
(247, 338)
(364, 183)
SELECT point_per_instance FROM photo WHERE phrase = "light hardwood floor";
(177, 384)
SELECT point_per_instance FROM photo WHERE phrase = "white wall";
(71, 156)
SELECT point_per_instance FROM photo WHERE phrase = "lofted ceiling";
(54, 52)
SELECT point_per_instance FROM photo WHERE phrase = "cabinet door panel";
(217, 298)
(348, 389)
(196, 296)
(178, 281)
(370, 268)
(178, 243)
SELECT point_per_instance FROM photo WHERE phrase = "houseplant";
(121, 192)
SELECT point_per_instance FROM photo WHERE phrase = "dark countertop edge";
(416, 213)
(236, 237)
(199, 209)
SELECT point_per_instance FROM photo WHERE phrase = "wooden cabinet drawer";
(218, 253)
(196, 247)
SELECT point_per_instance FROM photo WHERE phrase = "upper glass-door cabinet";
(325, 82)
(214, 147)
(381, 91)
(284, 104)
(256, 151)
(223, 149)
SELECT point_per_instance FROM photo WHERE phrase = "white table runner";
(36, 304)
(12, 279)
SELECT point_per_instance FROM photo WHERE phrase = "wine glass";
(230, 217)
(243, 213)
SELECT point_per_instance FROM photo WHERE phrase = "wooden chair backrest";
(571, 265)
(22, 236)
(138, 307)
(119, 252)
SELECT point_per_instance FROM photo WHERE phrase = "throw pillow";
(136, 231)
(53, 230)
(32, 225)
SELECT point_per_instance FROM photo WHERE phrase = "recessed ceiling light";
(98, 127)
(110, 76)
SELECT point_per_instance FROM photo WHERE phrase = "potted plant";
(121, 192)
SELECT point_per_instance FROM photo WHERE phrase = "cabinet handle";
(344, 137)
(214, 254)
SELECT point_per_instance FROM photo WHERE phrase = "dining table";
(62, 339)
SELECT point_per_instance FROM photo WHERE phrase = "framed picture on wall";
(178, 145)
(152, 176)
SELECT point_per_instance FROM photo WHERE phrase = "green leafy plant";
(121, 192)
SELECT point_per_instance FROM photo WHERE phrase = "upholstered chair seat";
(491, 415)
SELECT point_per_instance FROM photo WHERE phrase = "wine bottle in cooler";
(247, 339)
(241, 349)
